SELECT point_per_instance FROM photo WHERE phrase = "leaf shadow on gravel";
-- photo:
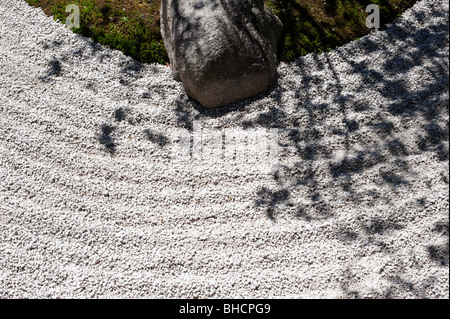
(106, 138)
(54, 70)
(439, 252)
(368, 138)
(156, 138)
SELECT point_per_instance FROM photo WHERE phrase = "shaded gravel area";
(94, 204)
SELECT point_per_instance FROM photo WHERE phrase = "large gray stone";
(222, 50)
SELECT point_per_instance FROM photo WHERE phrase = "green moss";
(124, 30)
(318, 26)
(132, 26)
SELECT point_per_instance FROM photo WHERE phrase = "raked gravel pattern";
(93, 203)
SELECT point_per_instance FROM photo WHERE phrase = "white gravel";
(93, 205)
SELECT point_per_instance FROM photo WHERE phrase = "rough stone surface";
(93, 206)
(223, 51)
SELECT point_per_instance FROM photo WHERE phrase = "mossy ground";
(318, 25)
(132, 26)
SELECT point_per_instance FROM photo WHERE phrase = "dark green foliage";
(132, 26)
(124, 30)
(318, 25)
